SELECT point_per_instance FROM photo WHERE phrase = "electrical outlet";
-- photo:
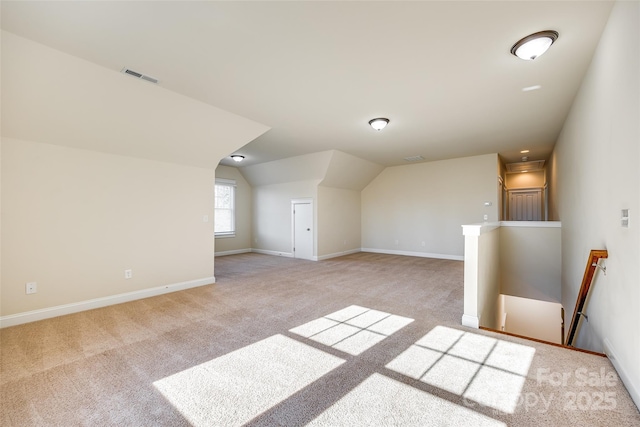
(423, 244)
(205, 218)
(128, 274)
(31, 288)
(486, 217)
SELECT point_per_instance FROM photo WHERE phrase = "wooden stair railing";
(589, 272)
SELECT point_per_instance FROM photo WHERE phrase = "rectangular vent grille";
(414, 158)
(532, 166)
(140, 75)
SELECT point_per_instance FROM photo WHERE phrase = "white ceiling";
(316, 72)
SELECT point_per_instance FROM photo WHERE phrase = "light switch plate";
(624, 218)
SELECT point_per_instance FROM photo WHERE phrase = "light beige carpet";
(365, 339)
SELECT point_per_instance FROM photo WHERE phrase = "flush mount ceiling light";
(237, 158)
(534, 45)
(379, 123)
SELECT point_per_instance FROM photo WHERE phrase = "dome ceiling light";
(237, 158)
(534, 45)
(379, 123)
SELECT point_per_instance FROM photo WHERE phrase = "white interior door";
(302, 230)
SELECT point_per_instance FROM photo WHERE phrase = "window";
(225, 208)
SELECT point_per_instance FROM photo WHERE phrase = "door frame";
(303, 201)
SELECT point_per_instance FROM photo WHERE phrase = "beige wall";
(488, 277)
(532, 318)
(272, 231)
(73, 220)
(597, 157)
(517, 258)
(101, 173)
(332, 179)
(552, 173)
(481, 275)
(338, 221)
(525, 180)
(530, 261)
(428, 202)
(243, 198)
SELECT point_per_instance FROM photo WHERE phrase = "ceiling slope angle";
(441, 72)
(79, 104)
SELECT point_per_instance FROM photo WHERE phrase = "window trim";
(229, 183)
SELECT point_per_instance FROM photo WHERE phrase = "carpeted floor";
(365, 339)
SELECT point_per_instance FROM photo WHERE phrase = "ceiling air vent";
(414, 158)
(140, 75)
(535, 165)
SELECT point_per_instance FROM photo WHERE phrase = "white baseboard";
(234, 252)
(276, 253)
(338, 254)
(470, 321)
(60, 310)
(633, 389)
(418, 254)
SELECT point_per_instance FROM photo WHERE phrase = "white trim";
(470, 321)
(233, 252)
(526, 189)
(303, 200)
(478, 229)
(339, 254)
(542, 224)
(276, 253)
(485, 227)
(225, 181)
(76, 307)
(410, 253)
(633, 389)
(224, 235)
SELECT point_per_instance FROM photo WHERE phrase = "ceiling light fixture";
(524, 151)
(379, 123)
(534, 45)
(237, 158)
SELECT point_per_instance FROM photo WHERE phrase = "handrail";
(589, 272)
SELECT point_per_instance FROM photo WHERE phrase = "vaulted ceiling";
(316, 72)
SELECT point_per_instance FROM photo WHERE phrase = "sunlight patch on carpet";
(382, 401)
(235, 388)
(353, 329)
(488, 371)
